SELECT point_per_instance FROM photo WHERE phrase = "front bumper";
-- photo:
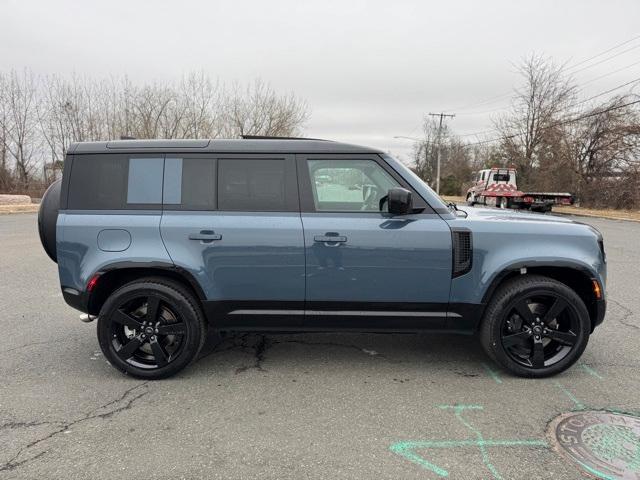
(601, 308)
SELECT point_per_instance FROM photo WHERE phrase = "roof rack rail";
(269, 137)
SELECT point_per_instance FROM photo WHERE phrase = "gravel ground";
(312, 406)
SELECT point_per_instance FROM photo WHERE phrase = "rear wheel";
(535, 326)
(151, 328)
(504, 203)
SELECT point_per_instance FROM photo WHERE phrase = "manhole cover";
(606, 445)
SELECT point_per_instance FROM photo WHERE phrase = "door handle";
(206, 236)
(330, 238)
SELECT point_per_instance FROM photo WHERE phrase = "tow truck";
(497, 187)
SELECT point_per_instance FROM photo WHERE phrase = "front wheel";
(151, 328)
(535, 326)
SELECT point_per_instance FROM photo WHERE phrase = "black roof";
(272, 145)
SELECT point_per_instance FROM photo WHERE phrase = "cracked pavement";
(288, 406)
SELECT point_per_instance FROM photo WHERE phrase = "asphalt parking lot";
(356, 406)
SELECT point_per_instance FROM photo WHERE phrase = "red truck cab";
(497, 187)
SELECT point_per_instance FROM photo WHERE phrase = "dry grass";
(631, 215)
(29, 208)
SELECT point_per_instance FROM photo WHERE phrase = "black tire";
(561, 336)
(48, 217)
(470, 201)
(161, 348)
(504, 203)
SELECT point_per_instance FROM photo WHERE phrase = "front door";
(233, 222)
(366, 268)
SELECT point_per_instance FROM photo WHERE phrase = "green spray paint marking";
(458, 409)
(591, 371)
(578, 405)
(492, 373)
(595, 473)
(407, 449)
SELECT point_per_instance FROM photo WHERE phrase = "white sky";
(369, 69)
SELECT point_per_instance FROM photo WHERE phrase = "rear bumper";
(75, 299)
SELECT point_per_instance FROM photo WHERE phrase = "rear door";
(365, 267)
(233, 222)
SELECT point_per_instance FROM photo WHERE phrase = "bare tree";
(201, 99)
(540, 103)
(425, 151)
(41, 117)
(258, 110)
(5, 170)
(604, 148)
(20, 123)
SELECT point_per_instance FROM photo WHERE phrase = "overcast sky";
(369, 70)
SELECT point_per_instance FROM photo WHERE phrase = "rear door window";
(190, 183)
(256, 185)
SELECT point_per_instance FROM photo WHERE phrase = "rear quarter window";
(115, 182)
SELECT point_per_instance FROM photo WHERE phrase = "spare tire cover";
(48, 217)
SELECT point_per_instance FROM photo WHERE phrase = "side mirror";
(399, 200)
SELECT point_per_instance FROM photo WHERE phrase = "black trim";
(66, 175)
(79, 301)
(460, 265)
(327, 316)
(93, 300)
(601, 309)
(470, 316)
(156, 265)
(235, 314)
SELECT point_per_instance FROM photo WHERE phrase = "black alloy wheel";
(151, 328)
(535, 326)
(146, 332)
(539, 331)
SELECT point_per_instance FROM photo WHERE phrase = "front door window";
(348, 185)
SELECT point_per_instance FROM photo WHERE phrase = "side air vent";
(462, 252)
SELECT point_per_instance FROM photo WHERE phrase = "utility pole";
(441, 115)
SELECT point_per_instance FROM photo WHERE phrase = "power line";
(611, 73)
(505, 95)
(568, 108)
(484, 112)
(557, 124)
(603, 60)
(608, 91)
(606, 51)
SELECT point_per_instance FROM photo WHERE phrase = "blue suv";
(161, 240)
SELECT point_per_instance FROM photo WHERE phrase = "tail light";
(93, 282)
